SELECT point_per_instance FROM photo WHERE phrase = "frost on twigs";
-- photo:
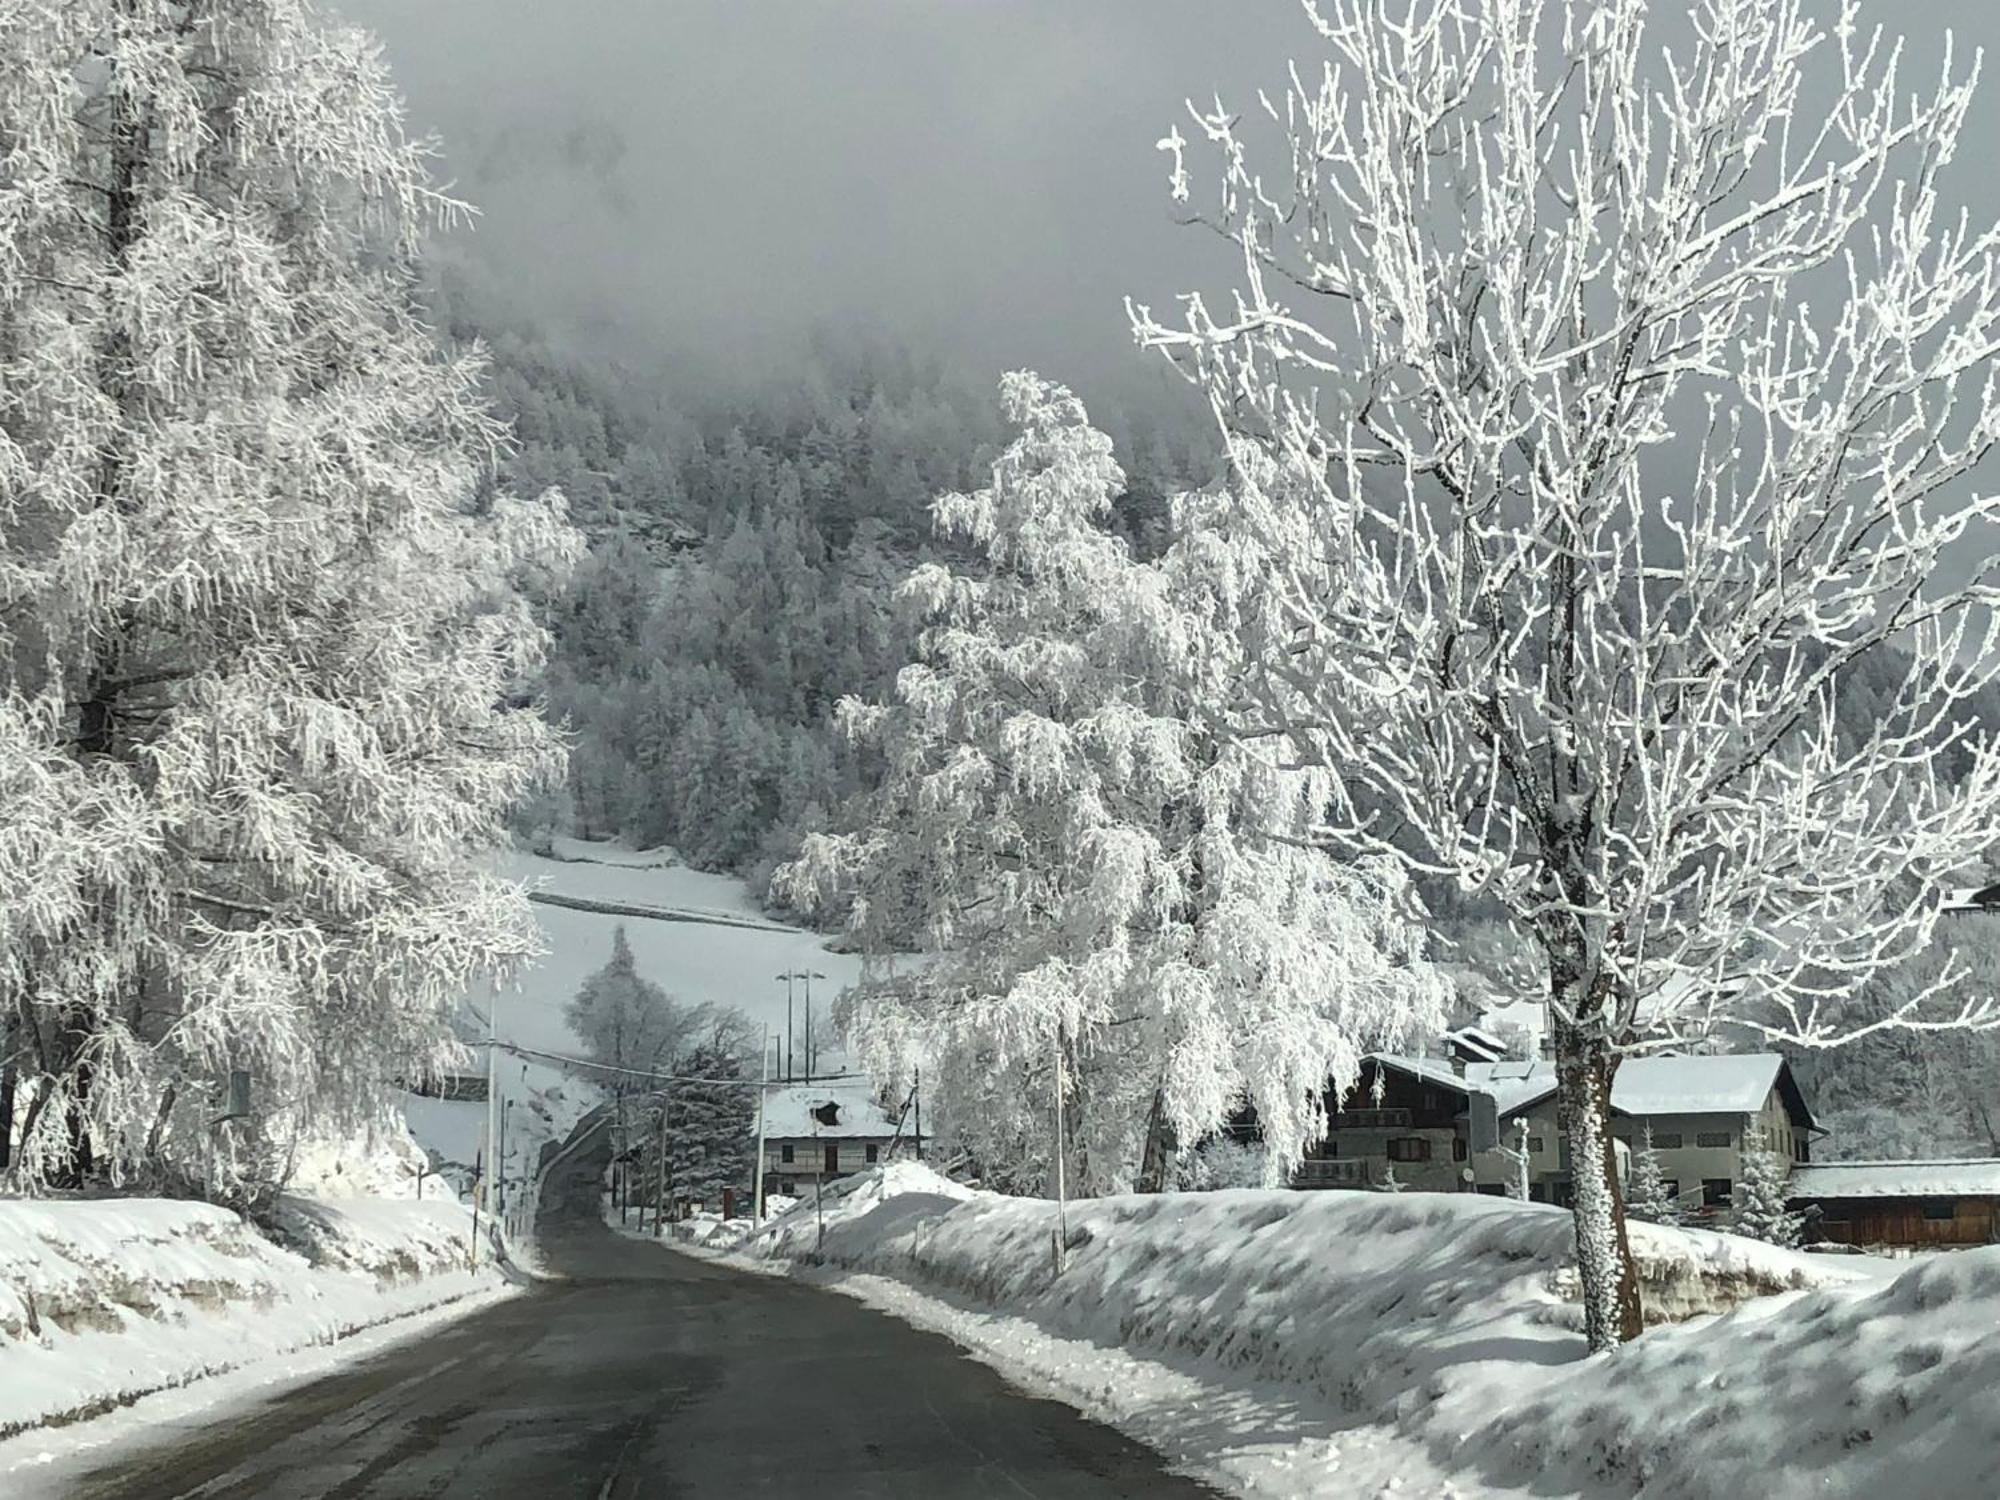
(1087, 862)
(1600, 403)
(265, 637)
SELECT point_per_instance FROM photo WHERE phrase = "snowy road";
(648, 1374)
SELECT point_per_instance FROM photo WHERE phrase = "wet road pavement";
(647, 1375)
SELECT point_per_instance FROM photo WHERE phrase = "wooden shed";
(1911, 1204)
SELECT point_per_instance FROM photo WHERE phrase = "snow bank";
(1893, 1390)
(1448, 1323)
(102, 1302)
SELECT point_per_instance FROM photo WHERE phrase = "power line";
(584, 1062)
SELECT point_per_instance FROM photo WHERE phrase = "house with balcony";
(1462, 1122)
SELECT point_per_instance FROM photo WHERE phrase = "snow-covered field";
(710, 942)
(736, 965)
(1346, 1344)
(103, 1302)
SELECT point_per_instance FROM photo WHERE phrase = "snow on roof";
(1972, 1177)
(1733, 1083)
(1712, 1084)
(791, 1111)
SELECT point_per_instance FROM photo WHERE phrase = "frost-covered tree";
(263, 632)
(1094, 870)
(1602, 380)
(629, 1023)
(1646, 1195)
(1759, 1210)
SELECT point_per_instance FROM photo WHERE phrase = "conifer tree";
(1760, 1211)
(1646, 1195)
(265, 632)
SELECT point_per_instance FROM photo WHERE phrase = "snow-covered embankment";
(103, 1302)
(1324, 1344)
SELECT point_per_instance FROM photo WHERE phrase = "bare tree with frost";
(263, 635)
(1599, 401)
(1093, 871)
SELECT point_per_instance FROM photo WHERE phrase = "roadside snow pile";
(102, 1302)
(1446, 1320)
(1845, 1392)
(391, 1240)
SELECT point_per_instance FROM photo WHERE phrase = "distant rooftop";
(1735, 1083)
(1969, 1177)
(832, 1109)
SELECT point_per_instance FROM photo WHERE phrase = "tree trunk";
(1610, 1278)
(10, 1031)
(1154, 1159)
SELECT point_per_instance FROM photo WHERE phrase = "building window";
(874, 1155)
(1409, 1148)
(1458, 1148)
(832, 1160)
(785, 1152)
(1534, 1145)
(1799, 1149)
(1711, 1139)
(1715, 1192)
(1667, 1140)
(1940, 1208)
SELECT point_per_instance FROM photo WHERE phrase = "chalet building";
(1453, 1124)
(1907, 1204)
(815, 1133)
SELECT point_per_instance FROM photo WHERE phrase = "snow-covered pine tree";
(263, 633)
(710, 1124)
(1759, 1210)
(1603, 388)
(1094, 870)
(1390, 1182)
(1646, 1195)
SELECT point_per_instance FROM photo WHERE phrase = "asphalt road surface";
(649, 1375)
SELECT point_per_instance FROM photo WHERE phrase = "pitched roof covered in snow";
(1976, 1177)
(832, 1109)
(1710, 1084)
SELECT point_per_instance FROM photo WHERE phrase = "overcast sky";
(706, 180)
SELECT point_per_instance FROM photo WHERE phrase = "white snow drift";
(104, 1302)
(1446, 1329)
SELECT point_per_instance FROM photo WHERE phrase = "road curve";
(648, 1375)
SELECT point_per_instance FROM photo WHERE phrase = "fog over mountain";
(709, 180)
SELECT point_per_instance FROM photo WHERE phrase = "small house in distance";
(1907, 1204)
(816, 1132)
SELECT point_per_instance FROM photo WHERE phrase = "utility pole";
(785, 1058)
(660, 1177)
(492, 1097)
(500, 1172)
(819, 1189)
(763, 1086)
(917, 1100)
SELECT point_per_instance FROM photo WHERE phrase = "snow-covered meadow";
(1341, 1344)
